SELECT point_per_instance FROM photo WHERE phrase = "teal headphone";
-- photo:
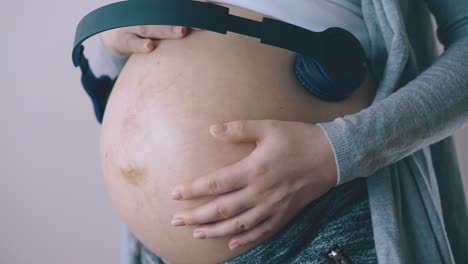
(330, 64)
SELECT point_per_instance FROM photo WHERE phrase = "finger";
(221, 181)
(135, 44)
(240, 131)
(260, 231)
(222, 208)
(159, 31)
(242, 222)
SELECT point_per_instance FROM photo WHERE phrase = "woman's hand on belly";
(292, 165)
(138, 39)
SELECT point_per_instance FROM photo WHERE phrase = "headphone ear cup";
(314, 79)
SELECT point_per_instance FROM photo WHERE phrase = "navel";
(133, 174)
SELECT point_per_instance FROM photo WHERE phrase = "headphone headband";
(339, 54)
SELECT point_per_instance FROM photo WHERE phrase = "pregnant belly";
(155, 129)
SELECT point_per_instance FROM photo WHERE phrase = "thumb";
(240, 131)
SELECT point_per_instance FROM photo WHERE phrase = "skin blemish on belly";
(130, 121)
(143, 79)
(134, 175)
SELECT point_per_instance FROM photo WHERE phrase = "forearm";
(424, 111)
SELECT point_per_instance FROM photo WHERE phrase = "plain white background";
(54, 206)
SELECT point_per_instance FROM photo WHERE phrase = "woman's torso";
(155, 129)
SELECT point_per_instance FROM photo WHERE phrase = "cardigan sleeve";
(424, 111)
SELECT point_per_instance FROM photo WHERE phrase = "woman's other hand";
(139, 39)
(292, 165)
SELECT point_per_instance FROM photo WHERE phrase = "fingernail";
(177, 222)
(177, 193)
(233, 245)
(149, 45)
(199, 235)
(218, 129)
(177, 30)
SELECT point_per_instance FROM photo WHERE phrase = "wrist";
(332, 170)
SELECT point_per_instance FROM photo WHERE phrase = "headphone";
(330, 64)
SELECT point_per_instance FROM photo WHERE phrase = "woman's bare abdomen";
(155, 129)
